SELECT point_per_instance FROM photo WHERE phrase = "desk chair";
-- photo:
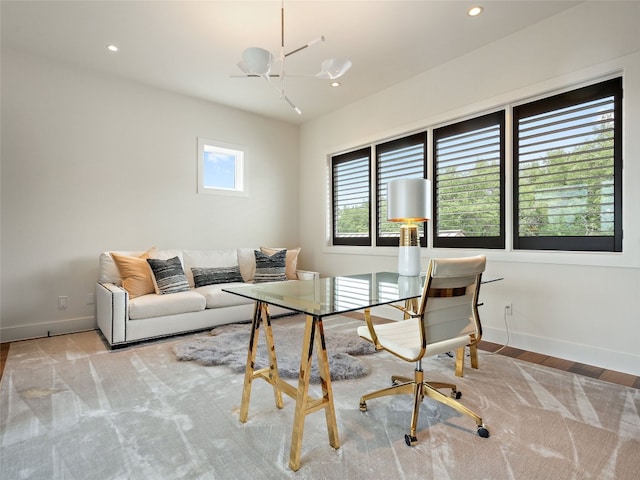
(446, 320)
(411, 306)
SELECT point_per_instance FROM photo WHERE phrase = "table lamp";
(409, 202)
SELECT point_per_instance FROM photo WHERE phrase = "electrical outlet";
(62, 302)
(90, 299)
(508, 309)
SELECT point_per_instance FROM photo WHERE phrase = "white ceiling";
(193, 47)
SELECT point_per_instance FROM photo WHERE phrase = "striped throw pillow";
(213, 275)
(169, 275)
(270, 268)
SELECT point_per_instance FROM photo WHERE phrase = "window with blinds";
(468, 178)
(568, 171)
(350, 174)
(402, 158)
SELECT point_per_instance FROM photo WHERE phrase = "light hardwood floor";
(4, 351)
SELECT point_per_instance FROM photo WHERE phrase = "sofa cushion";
(169, 275)
(247, 263)
(208, 258)
(270, 268)
(216, 298)
(167, 254)
(291, 261)
(153, 305)
(135, 273)
(203, 276)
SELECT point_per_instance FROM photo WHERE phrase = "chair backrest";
(449, 301)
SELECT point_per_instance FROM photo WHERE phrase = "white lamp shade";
(333, 68)
(257, 60)
(409, 200)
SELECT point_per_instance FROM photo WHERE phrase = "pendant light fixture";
(258, 62)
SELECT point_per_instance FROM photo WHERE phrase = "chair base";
(419, 389)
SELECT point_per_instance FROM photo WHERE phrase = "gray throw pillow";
(169, 275)
(270, 268)
(213, 275)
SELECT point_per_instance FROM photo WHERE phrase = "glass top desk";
(316, 299)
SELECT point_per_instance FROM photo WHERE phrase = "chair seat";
(403, 339)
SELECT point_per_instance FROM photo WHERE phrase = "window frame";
(240, 177)
(612, 87)
(342, 159)
(386, 147)
(509, 240)
(466, 126)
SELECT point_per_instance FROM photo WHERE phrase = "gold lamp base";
(409, 251)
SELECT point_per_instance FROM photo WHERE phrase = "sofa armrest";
(307, 275)
(112, 306)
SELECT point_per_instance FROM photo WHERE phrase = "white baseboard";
(47, 329)
(597, 357)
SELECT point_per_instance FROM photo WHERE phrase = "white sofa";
(124, 320)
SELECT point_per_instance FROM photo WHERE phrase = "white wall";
(582, 307)
(92, 163)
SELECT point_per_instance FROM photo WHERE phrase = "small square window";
(221, 168)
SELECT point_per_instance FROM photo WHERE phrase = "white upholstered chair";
(446, 320)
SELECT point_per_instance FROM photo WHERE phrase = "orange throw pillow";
(135, 273)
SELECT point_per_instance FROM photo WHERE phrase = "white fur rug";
(227, 345)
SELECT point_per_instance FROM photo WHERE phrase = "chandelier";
(259, 62)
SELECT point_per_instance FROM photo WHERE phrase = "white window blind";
(351, 198)
(469, 191)
(401, 158)
(566, 170)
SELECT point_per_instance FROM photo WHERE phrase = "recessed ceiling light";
(112, 48)
(335, 84)
(475, 11)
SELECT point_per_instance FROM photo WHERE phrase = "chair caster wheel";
(363, 406)
(410, 441)
(455, 394)
(483, 432)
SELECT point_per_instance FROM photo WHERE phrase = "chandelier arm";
(296, 50)
(282, 25)
(286, 99)
(292, 105)
(274, 75)
(313, 42)
(282, 56)
(255, 75)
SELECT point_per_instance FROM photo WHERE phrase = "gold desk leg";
(313, 332)
(410, 305)
(274, 376)
(260, 314)
(327, 390)
(251, 357)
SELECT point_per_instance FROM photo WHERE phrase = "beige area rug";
(71, 409)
